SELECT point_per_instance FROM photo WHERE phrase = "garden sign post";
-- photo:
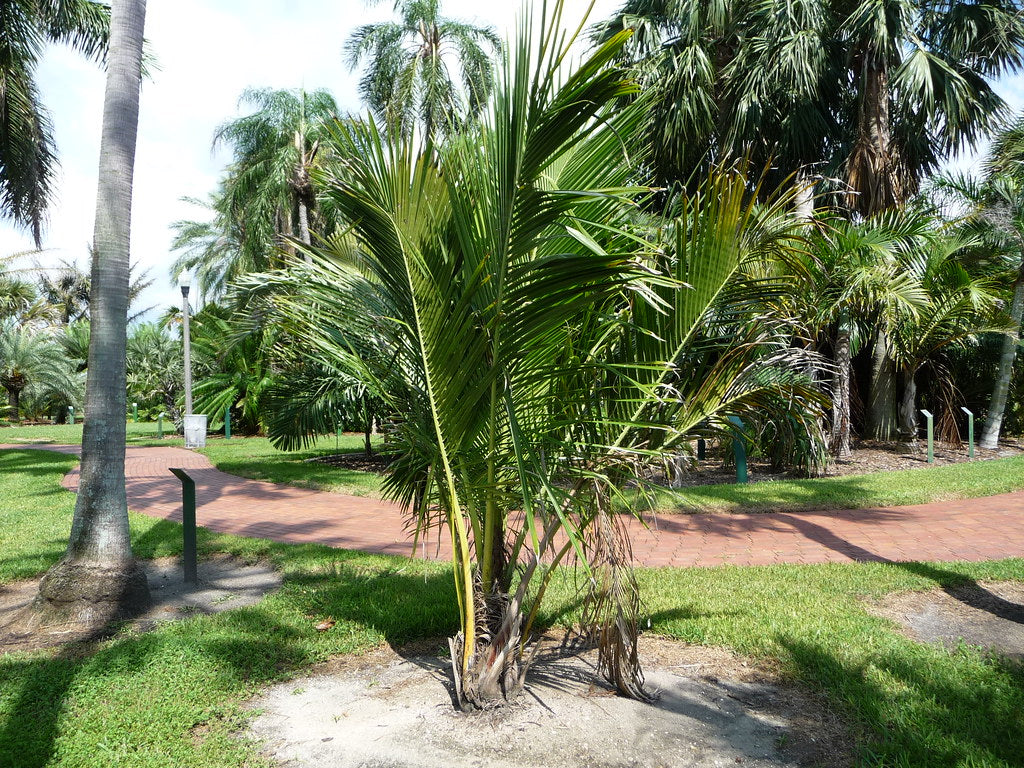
(931, 436)
(970, 432)
(739, 449)
(188, 522)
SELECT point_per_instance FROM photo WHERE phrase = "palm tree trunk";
(908, 408)
(840, 436)
(871, 166)
(14, 400)
(997, 407)
(98, 579)
(882, 399)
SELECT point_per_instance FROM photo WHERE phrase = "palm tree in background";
(98, 578)
(408, 79)
(27, 151)
(269, 191)
(32, 359)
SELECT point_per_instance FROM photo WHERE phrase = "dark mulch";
(374, 462)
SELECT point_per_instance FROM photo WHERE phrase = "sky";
(207, 53)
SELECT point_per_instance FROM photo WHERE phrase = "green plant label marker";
(931, 436)
(970, 432)
(739, 450)
(188, 522)
(227, 423)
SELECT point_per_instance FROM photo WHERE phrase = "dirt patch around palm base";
(987, 614)
(224, 583)
(710, 709)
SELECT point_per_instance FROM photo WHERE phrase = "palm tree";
(154, 368)
(214, 250)
(27, 151)
(536, 351)
(268, 188)
(31, 359)
(995, 213)
(408, 79)
(98, 579)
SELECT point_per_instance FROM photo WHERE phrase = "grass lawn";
(175, 696)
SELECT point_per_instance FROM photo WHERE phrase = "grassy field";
(256, 458)
(175, 696)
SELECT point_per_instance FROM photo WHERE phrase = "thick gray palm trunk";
(98, 579)
(1001, 390)
(908, 408)
(840, 432)
(882, 398)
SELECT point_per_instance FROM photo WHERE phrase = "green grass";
(252, 457)
(881, 489)
(176, 696)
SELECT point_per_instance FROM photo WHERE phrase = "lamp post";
(186, 283)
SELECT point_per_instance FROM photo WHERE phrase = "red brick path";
(974, 529)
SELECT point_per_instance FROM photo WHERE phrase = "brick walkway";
(974, 529)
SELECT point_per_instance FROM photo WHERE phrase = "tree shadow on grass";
(930, 714)
(43, 697)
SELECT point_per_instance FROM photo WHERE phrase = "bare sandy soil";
(986, 614)
(391, 711)
(224, 583)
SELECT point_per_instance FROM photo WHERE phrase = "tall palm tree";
(98, 578)
(27, 152)
(535, 345)
(408, 79)
(268, 188)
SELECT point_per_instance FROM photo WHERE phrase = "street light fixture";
(186, 283)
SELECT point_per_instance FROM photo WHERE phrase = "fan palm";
(27, 151)
(536, 350)
(408, 78)
(876, 91)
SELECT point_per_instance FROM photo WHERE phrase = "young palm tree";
(98, 578)
(31, 358)
(995, 213)
(408, 79)
(27, 152)
(537, 346)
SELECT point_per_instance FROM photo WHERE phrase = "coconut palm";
(27, 152)
(408, 79)
(98, 579)
(214, 250)
(535, 350)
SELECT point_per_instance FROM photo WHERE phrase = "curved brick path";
(973, 529)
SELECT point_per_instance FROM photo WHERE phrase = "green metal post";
(188, 522)
(702, 450)
(931, 436)
(970, 432)
(739, 450)
(71, 414)
(160, 426)
(227, 423)
(135, 412)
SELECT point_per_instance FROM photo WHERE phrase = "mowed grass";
(881, 489)
(176, 696)
(252, 457)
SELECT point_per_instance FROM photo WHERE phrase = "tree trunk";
(368, 414)
(803, 198)
(14, 400)
(882, 399)
(840, 436)
(871, 168)
(98, 580)
(997, 407)
(908, 408)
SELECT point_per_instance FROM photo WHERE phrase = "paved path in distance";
(973, 529)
